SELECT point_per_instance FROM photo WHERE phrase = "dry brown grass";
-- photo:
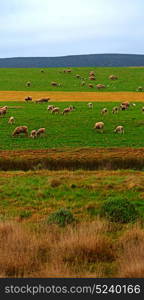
(84, 250)
(51, 253)
(21, 252)
(85, 245)
(131, 260)
(72, 159)
(74, 96)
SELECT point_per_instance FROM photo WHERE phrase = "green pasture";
(14, 79)
(39, 193)
(74, 129)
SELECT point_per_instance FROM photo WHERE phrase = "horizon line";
(69, 55)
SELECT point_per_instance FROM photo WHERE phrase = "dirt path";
(74, 96)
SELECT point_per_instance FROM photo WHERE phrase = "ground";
(72, 168)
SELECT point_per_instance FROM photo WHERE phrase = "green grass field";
(71, 130)
(15, 79)
(36, 194)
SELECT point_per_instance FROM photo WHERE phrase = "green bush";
(61, 217)
(25, 214)
(119, 210)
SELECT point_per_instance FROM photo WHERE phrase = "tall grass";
(93, 249)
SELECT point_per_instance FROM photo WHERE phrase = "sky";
(69, 27)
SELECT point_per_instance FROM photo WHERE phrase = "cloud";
(44, 27)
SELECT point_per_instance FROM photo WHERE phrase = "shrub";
(61, 217)
(55, 183)
(119, 210)
(25, 214)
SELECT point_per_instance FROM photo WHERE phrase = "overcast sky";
(68, 27)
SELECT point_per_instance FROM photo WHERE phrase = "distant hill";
(90, 60)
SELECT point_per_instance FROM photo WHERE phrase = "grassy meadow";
(90, 246)
(33, 195)
(72, 201)
(129, 79)
(71, 130)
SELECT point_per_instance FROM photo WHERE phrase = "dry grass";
(74, 96)
(21, 252)
(131, 260)
(51, 253)
(84, 250)
(72, 159)
(80, 247)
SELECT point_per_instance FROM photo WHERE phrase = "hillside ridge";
(85, 60)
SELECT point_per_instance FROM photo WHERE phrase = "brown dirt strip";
(73, 159)
(74, 96)
(75, 152)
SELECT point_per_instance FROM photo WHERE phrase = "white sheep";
(115, 109)
(55, 110)
(99, 126)
(90, 105)
(40, 131)
(104, 111)
(33, 134)
(11, 120)
(50, 107)
(119, 129)
(67, 110)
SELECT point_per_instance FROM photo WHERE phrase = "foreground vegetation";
(96, 249)
(129, 79)
(62, 212)
(71, 130)
(34, 195)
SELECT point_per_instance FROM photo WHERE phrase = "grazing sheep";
(123, 107)
(91, 73)
(67, 70)
(40, 131)
(55, 110)
(4, 107)
(50, 107)
(90, 105)
(78, 76)
(42, 100)
(11, 120)
(115, 109)
(90, 85)
(140, 89)
(28, 84)
(126, 103)
(3, 110)
(99, 126)
(104, 111)
(29, 98)
(82, 83)
(33, 134)
(113, 77)
(67, 110)
(72, 107)
(53, 83)
(20, 129)
(119, 129)
(100, 86)
(92, 77)
(143, 109)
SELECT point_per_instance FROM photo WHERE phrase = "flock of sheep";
(54, 109)
(123, 106)
(21, 129)
(92, 77)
